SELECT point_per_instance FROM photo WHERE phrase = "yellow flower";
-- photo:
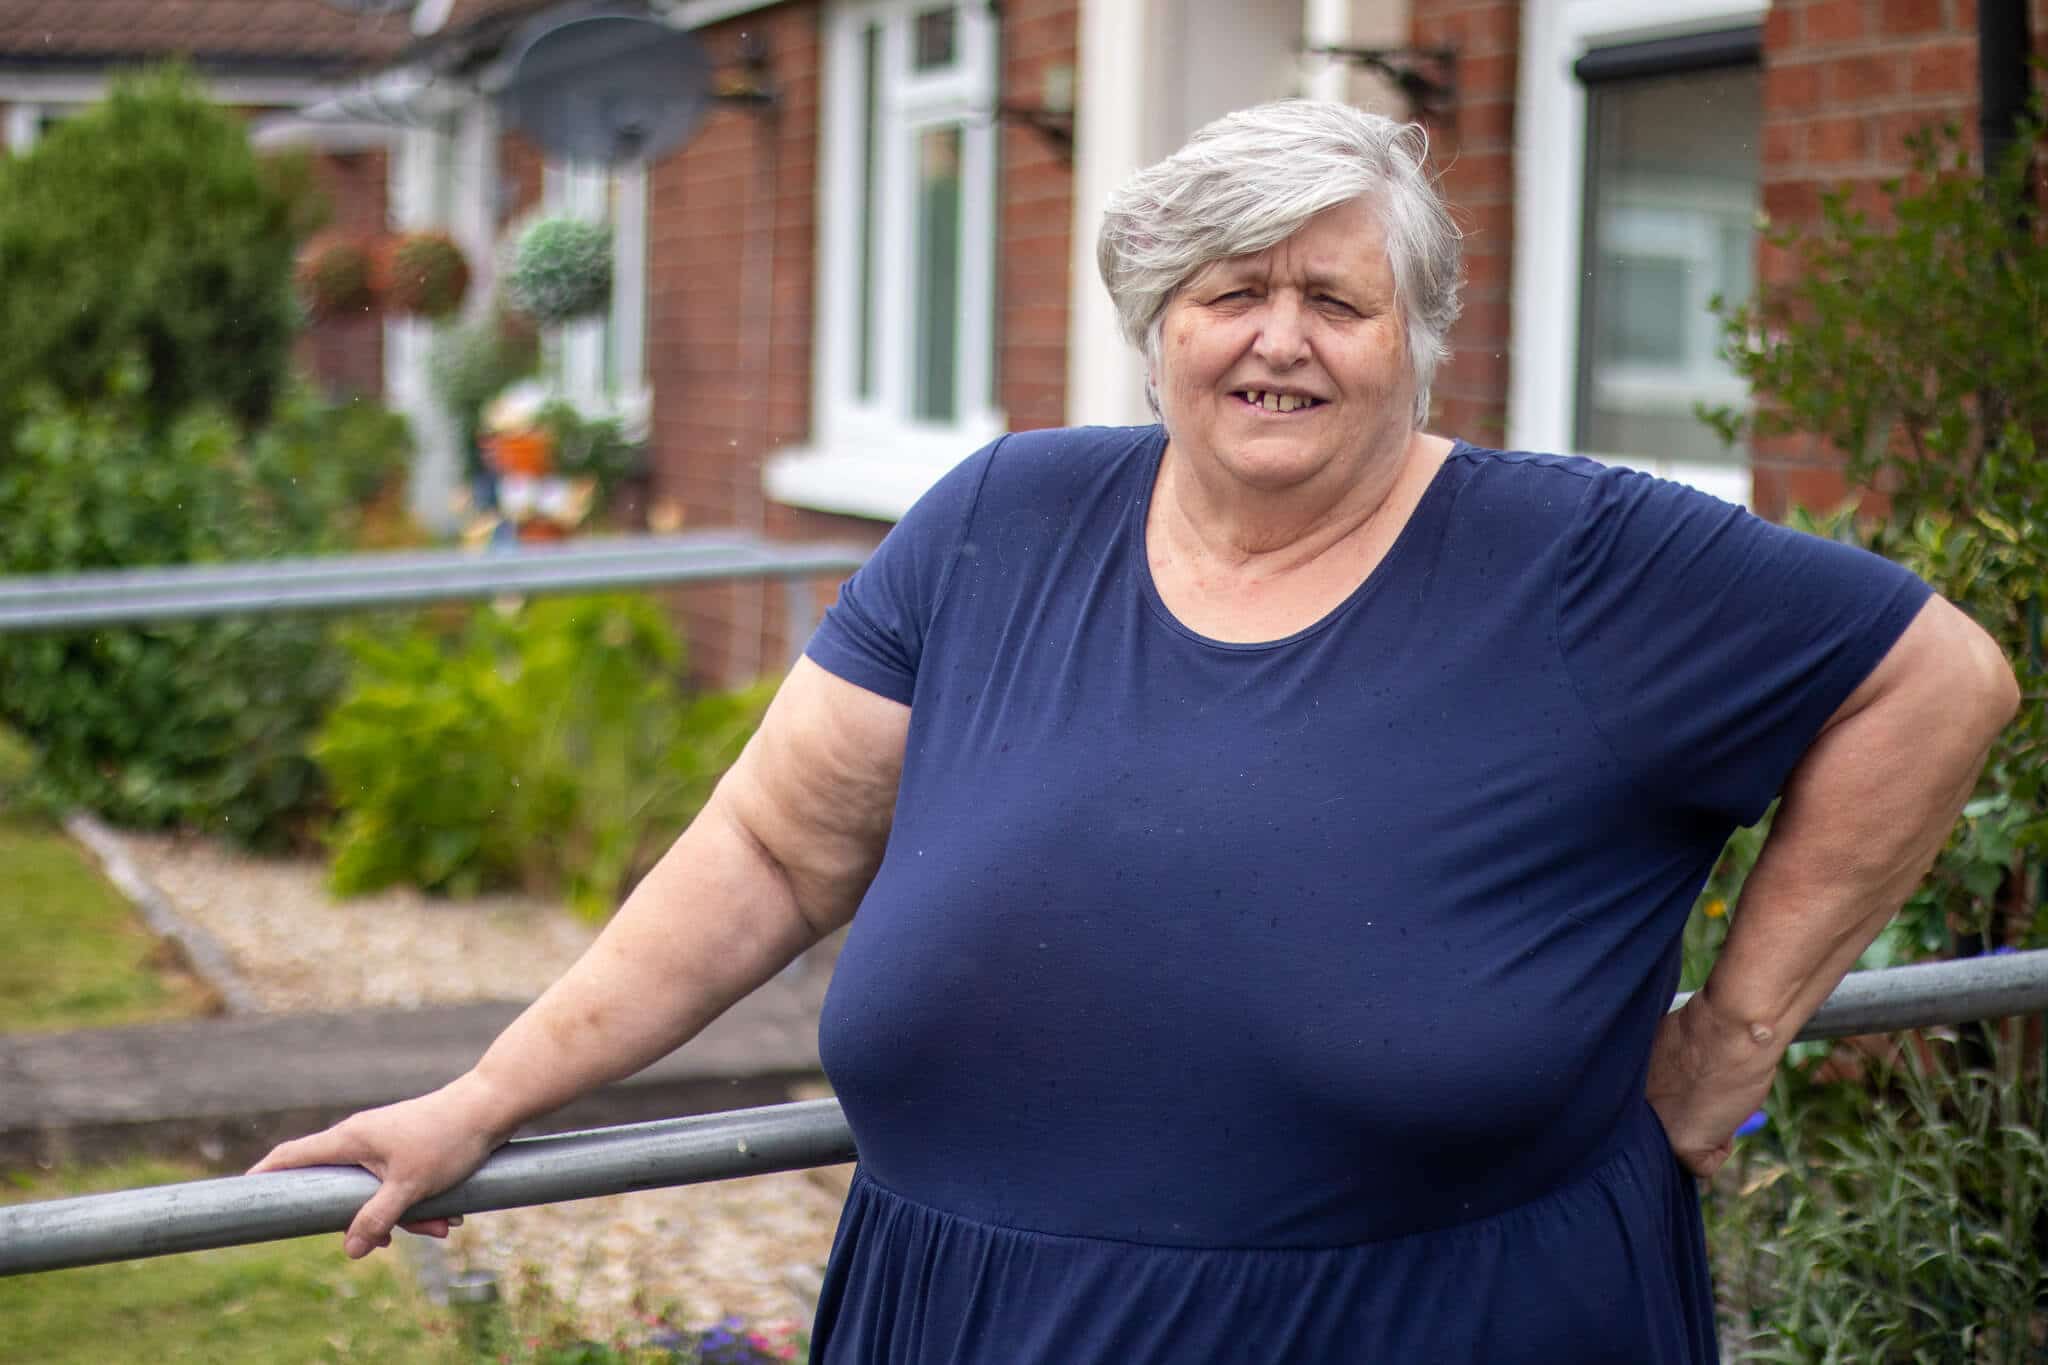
(1715, 908)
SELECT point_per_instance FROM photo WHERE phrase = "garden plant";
(147, 418)
(552, 747)
(560, 270)
(1898, 1209)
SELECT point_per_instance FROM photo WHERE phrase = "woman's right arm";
(778, 858)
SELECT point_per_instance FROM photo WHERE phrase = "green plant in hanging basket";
(333, 275)
(421, 273)
(561, 270)
(472, 363)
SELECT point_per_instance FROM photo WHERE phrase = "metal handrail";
(197, 1215)
(403, 578)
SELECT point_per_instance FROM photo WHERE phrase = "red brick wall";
(1844, 82)
(344, 356)
(522, 171)
(1036, 236)
(732, 242)
(731, 222)
(1473, 145)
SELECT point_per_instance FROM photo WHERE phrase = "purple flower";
(1753, 1124)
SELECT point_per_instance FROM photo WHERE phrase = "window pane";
(935, 39)
(1642, 305)
(864, 310)
(1671, 201)
(937, 273)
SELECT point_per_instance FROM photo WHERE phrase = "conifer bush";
(146, 229)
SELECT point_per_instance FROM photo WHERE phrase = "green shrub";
(473, 363)
(591, 447)
(1905, 1220)
(1892, 1223)
(206, 722)
(552, 749)
(147, 228)
(320, 464)
(1910, 340)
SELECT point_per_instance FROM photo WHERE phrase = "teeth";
(1276, 402)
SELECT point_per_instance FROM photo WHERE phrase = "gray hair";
(1254, 178)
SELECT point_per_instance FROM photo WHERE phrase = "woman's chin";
(1279, 462)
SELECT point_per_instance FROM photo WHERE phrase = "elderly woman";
(1271, 833)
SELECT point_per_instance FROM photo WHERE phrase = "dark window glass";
(864, 317)
(935, 39)
(1671, 203)
(938, 273)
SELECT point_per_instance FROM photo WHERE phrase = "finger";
(433, 1227)
(328, 1148)
(374, 1220)
(1704, 1164)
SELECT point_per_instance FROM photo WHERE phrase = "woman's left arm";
(1863, 815)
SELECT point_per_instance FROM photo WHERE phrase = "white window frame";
(1550, 181)
(869, 457)
(616, 196)
(24, 126)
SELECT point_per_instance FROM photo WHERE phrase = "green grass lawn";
(277, 1302)
(77, 956)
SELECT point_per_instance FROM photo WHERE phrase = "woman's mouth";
(1268, 401)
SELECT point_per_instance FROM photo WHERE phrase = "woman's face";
(1291, 363)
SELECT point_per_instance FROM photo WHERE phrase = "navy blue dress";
(1291, 1001)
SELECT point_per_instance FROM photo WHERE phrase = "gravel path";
(750, 1247)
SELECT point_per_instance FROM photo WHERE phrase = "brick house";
(823, 303)
(808, 366)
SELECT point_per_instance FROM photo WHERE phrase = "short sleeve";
(874, 635)
(1710, 645)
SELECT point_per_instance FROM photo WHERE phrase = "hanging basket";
(421, 273)
(560, 270)
(333, 276)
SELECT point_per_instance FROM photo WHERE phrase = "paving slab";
(225, 1089)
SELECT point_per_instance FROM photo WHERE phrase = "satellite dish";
(607, 87)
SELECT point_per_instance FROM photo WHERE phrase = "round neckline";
(1157, 604)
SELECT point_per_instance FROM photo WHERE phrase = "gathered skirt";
(1609, 1267)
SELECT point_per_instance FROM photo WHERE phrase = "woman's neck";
(1252, 569)
(1211, 517)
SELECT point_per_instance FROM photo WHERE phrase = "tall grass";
(1901, 1219)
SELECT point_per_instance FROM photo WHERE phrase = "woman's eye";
(1332, 301)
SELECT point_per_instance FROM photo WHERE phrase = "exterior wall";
(1845, 82)
(521, 176)
(1035, 241)
(345, 356)
(1472, 144)
(731, 232)
(731, 318)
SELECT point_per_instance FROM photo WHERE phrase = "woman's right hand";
(416, 1148)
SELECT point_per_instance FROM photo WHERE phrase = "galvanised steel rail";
(257, 1208)
(410, 578)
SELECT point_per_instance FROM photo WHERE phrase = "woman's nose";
(1283, 334)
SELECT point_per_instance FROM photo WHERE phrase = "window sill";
(870, 478)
